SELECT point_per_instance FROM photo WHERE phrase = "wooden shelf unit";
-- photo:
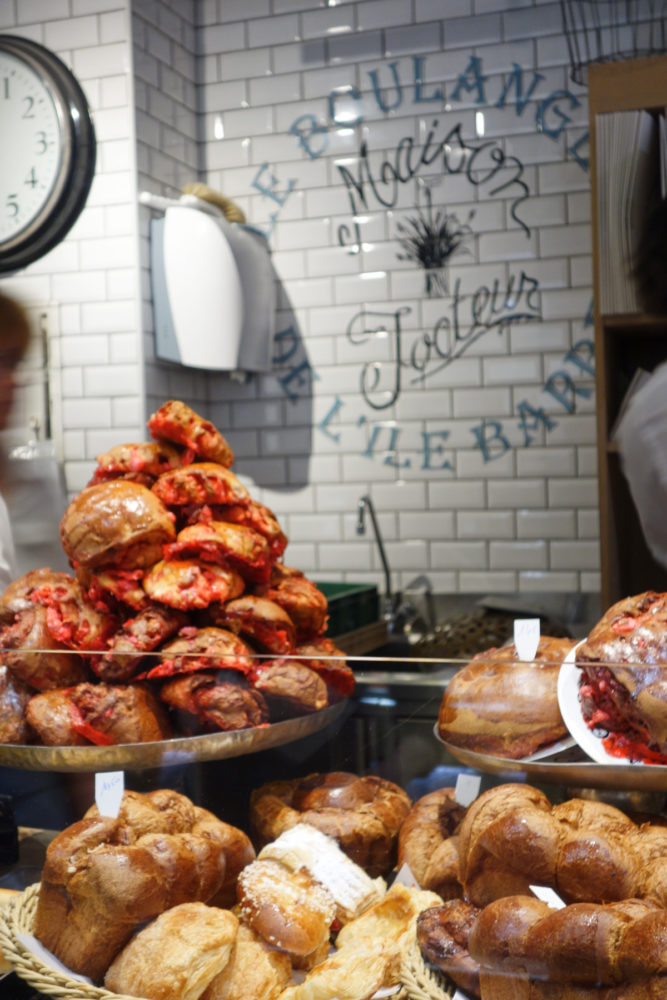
(622, 344)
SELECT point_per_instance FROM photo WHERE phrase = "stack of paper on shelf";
(626, 176)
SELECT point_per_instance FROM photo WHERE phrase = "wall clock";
(48, 151)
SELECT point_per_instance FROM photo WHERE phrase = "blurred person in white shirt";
(14, 340)
(642, 440)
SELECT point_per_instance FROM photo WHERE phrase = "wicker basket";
(422, 982)
(17, 918)
(417, 981)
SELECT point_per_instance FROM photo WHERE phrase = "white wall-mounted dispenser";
(214, 298)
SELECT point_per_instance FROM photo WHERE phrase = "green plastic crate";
(351, 606)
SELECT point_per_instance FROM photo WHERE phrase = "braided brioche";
(512, 837)
(428, 844)
(443, 934)
(585, 944)
(104, 876)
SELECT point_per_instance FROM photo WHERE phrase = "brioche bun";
(113, 522)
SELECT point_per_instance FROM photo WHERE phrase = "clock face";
(32, 174)
(47, 158)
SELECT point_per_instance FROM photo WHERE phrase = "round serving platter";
(172, 752)
(577, 771)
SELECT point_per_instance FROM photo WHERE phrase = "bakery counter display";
(563, 902)
(167, 900)
(591, 713)
(179, 626)
(345, 888)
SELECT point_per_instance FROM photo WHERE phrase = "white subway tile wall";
(460, 398)
(86, 277)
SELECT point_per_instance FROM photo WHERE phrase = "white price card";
(109, 788)
(467, 788)
(547, 896)
(526, 637)
(405, 877)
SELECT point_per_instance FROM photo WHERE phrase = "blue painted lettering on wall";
(390, 91)
(489, 436)
(375, 180)
(450, 337)
(483, 164)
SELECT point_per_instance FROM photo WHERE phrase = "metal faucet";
(389, 600)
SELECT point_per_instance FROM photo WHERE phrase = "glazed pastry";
(504, 706)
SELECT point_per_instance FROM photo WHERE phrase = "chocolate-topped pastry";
(624, 677)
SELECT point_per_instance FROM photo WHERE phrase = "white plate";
(546, 753)
(566, 743)
(590, 740)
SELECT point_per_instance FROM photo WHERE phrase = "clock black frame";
(47, 231)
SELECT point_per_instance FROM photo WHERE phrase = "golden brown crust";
(290, 910)
(584, 943)
(49, 716)
(500, 986)
(443, 933)
(177, 954)
(188, 584)
(363, 814)
(14, 698)
(103, 877)
(255, 971)
(260, 620)
(303, 846)
(104, 714)
(235, 545)
(149, 458)
(115, 522)
(178, 422)
(348, 974)
(259, 517)
(202, 702)
(290, 686)
(17, 596)
(391, 921)
(306, 605)
(203, 649)
(35, 657)
(426, 842)
(201, 483)
(511, 837)
(504, 706)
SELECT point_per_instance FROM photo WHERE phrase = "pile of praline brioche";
(179, 616)
(166, 900)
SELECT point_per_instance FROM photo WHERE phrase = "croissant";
(512, 838)
(586, 945)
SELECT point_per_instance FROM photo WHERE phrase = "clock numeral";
(31, 179)
(29, 103)
(42, 143)
(12, 205)
(5, 87)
